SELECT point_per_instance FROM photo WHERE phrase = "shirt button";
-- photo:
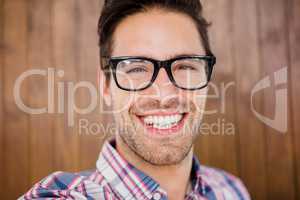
(157, 196)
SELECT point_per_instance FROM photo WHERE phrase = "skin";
(161, 35)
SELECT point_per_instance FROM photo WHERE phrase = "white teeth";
(163, 122)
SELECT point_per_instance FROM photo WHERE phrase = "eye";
(185, 67)
(136, 70)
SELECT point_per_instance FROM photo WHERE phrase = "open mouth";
(163, 123)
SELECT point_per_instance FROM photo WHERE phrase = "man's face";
(161, 122)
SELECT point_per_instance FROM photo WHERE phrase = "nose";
(163, 85)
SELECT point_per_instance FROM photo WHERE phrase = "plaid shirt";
(115, 178)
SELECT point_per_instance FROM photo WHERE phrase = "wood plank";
(65, 44)
(90, 139)
(40, 57)
(251, 132)
(16, 148)
(225, 155)
(2, 118)
(294, 60)
(274, 56)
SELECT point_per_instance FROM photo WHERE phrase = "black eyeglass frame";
(158, 64)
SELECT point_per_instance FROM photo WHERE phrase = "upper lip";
(159, 113)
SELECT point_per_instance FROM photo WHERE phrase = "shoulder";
(68, 186)
(220, 179)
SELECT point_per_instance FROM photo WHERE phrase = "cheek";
(122, 100)
(196, 99)
(120, 108)
(195, 96)
(201, 96)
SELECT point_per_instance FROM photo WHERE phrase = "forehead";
(158, 34)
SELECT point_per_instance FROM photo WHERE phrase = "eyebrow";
(170, 56)
(180, 55)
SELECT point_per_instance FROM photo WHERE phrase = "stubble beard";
(162, 152)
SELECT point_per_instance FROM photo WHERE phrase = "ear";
(104, 87)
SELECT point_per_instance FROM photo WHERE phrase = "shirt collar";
(128, 181)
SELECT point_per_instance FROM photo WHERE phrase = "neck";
(174, 179)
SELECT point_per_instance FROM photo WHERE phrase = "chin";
(160, 152)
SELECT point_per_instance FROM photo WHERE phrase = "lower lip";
(173, 130)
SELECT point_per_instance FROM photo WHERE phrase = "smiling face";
(160, 123)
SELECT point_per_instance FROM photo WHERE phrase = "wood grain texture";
(273, 28)
(247, 71)
(40, 57)
(294, 63)
(88, 66)
(16, 127)
(65, 44)
(1, 98)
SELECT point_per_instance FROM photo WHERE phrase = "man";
(156, 63)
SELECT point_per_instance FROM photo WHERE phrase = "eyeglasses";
(139, 73)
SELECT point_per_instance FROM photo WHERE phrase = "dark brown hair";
(114, 11)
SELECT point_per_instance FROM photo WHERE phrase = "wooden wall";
(251, 39)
